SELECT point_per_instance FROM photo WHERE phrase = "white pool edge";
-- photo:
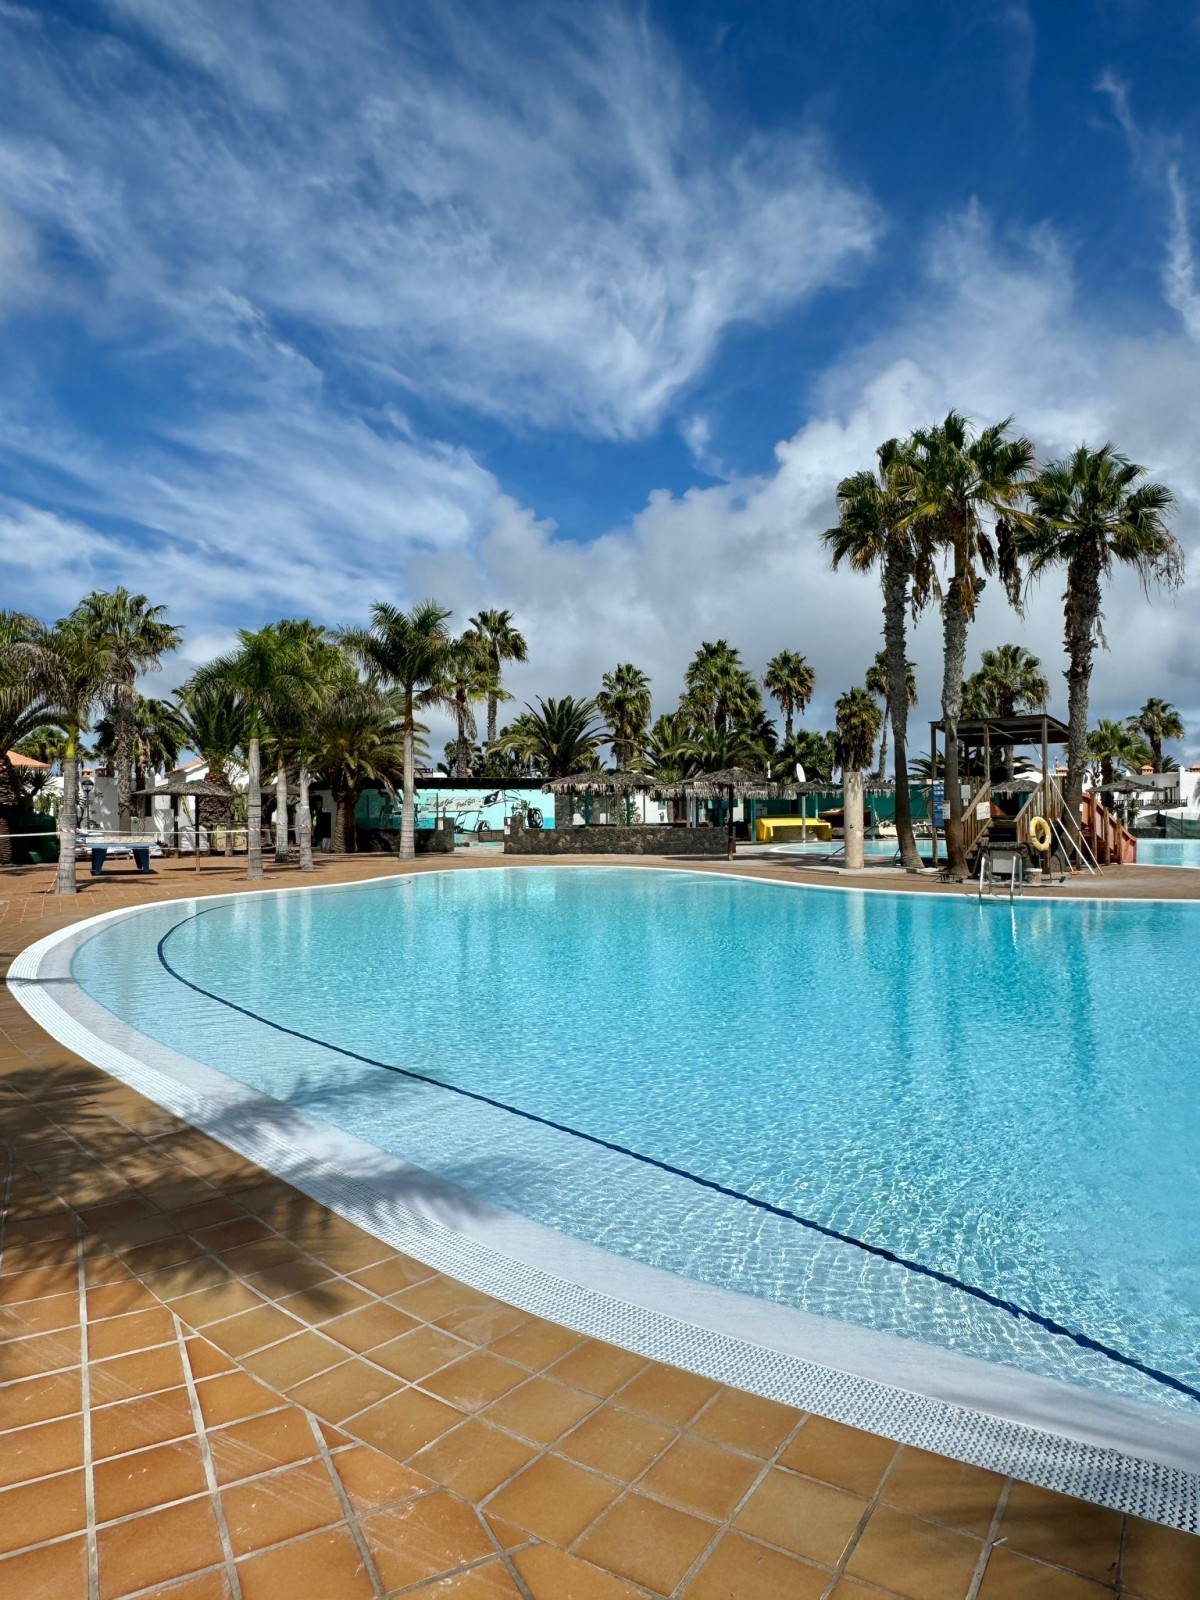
(1107, 1449)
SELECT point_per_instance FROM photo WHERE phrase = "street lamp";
(87, 785)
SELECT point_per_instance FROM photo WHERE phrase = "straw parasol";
(179, 788)
(621, 782)
(728, 783)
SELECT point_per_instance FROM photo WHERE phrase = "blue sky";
(581, 308)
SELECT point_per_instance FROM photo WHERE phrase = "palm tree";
(876, 529)
(877, 682)
(1009, 680)
(135, 636)
(502, 642)
(624, 703)
(1112, 742)
(27, 723)
(470, 676)
(69, 670)
(967, 491)
(159, 734)
(812, 751)
(719, 688)
(358, 738)
(1156, 721)
(217, 727)
(858, 721)
(1093, 511)
(790, 681)
(412, 652)
(559, 738)
(266, 676)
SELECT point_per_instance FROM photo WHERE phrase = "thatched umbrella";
(180, 788)
(729, 783)
(588, 784)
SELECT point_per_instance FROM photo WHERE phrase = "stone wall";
(437, 841)
(652, 839)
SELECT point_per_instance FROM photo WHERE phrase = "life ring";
(1040, 836)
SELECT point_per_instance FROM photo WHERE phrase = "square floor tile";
(702, 1478)
(136, 1424)
(617, 1442)
(746, 1422)
(369, 1326)
(280, 1505)
(535, 1344)
(344, 1390)
(232, 1396)
(147, 1478)
(646, 1542)
(474, 1459)
(260, 1444)
(919, 1560)
(1158, 1563)
(668, 1394)
(404, 1423)
(540, 1409)
(156, 1546)
(413, 1356)
(940, 1490)
(1012, 1577)
(743, 1569)
(845, 1457)
(39, 1399)
(475, 1380)
(52, 1572)
(1083, 1538)
(554, 1499)
(425, 1538)
(320, 1567)
(47, 1509)
(597, 1368)
(550, 1574)
(809, 1519)
(40, 1450)
(373, 1481)
(139, 1372)
(304, 1355)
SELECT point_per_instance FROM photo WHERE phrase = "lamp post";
(87, 785)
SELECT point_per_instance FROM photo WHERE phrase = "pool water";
(1005, 1096)
(1169, 852)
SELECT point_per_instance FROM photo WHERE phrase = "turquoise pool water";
(1169, 852)
(774, 1089)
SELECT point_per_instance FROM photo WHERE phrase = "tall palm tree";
(858, 721)
(812, 751)
(470, 676)
(968, 491)
(502, 642)
(358, 738)
(410, 651)
(159, 734)
(559, 738)
(217, 727)
(624, 703)
(1009, 680)
(790, 681)
(878, 683)
(1156, 721)
(1111, 743)
(1093, 510)
(135, 636)
(70, 670)
(719, 689)
(876, 528)
(265, 674)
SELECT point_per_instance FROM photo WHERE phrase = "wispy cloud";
(1157, 159)
(528, 211)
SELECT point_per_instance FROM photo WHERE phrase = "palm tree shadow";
(153, 1201)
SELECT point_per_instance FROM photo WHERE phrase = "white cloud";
(524, 210)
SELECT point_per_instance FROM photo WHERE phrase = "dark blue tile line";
(1022, 1313)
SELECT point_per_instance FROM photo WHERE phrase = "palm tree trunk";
(1083, 610)
(955, 636)
(462, 755)
(408, 804)
(337, 838)
(304, 822)
(281, 817)
(64, 878)
(349, 829)
(787, 722)
(881, 769)
(492, 703)
(852, 786)
(254, 864)
(123, 707)
(895, 644)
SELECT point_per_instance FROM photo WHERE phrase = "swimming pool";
(1169, 852)
(972, 1125)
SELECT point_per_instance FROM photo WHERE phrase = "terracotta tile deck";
(212, 1388)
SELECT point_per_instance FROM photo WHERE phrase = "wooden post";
(987, 757)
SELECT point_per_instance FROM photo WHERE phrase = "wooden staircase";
(1101, 839)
